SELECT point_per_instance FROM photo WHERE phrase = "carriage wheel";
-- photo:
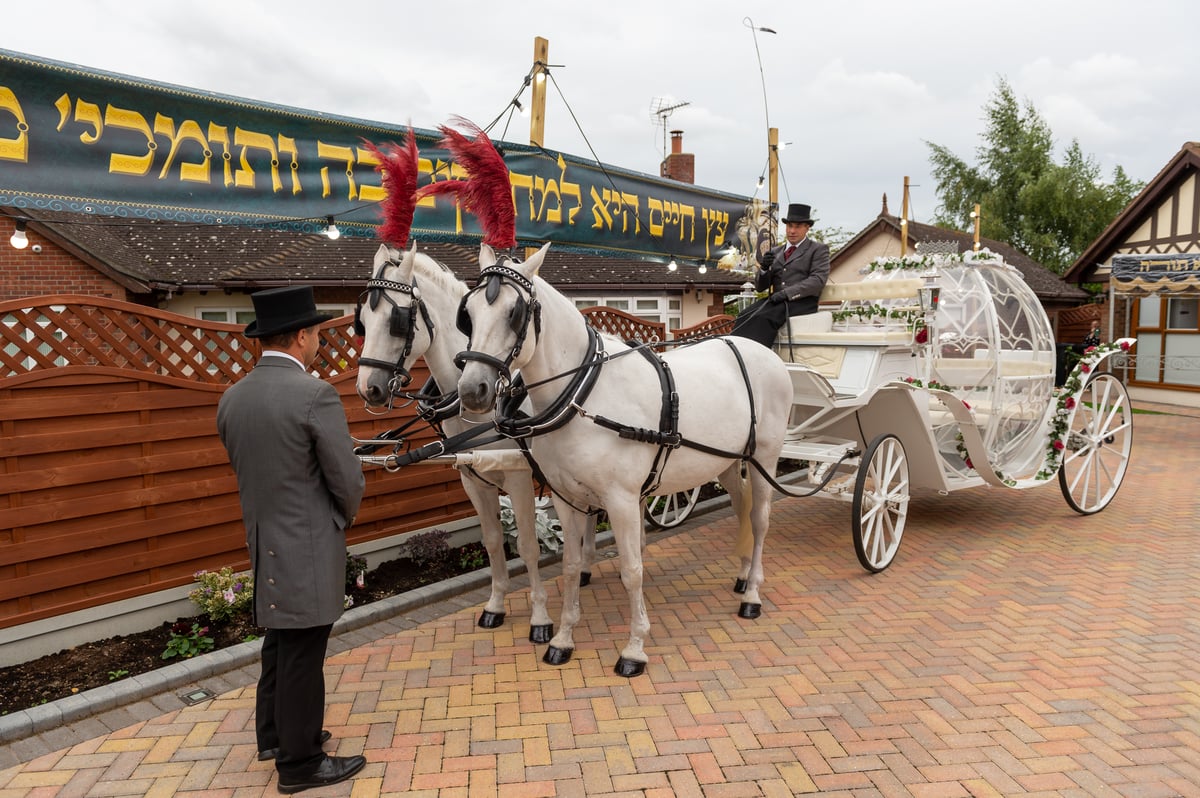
(1097, 446)
(881, 492)
(665, 512)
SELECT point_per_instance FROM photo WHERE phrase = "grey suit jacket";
(803, 274)
(300, 485)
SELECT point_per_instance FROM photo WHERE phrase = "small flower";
(1059, 446)
(1086, 368)
(1124, 346)
(1069, 403)
(922, 335)
(360, 581)
(228, 596)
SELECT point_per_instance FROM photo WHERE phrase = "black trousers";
(290, 707)
(762, 320)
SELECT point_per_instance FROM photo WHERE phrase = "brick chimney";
(679, 165)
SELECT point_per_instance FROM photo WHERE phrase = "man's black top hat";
(798, 213)
(281, 310)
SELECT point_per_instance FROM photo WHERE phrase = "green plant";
(549, 530)
(119, 673)
(472, 557)
(187, 642)
(428, 549)
(356, 571)
(223, 594)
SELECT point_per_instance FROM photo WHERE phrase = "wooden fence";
(114, 483)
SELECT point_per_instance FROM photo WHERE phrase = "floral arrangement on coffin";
(1068, 398)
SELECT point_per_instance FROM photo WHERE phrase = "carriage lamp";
(19, 240)
(331, 230)
(929, 298)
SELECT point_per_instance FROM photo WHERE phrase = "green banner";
(86, 141)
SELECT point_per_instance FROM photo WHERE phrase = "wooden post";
(975, 215)
(904, 220)
(537, 111)
(537, 102)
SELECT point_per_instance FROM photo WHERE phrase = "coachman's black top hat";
(798, 213)
(281, 310)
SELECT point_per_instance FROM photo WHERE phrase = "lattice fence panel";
(625, 326)
(58, 331)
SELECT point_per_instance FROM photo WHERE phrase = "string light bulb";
(19, 240)
(703, 269)
(672, 266)
(331, 230)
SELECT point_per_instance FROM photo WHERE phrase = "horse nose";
(475, 396)
(373, 395)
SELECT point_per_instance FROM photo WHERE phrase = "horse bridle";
(402, 323)
(525, 310)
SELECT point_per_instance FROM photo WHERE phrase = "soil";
(90, 665)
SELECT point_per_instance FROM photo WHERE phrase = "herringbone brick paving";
(1014, 648)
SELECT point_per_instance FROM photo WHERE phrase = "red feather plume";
(487, 191)
(399, 169)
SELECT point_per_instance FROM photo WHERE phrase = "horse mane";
(399, 167)
(487, 191)
(426, 267)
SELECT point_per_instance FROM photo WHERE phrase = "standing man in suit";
(300, 485)
(795, 272)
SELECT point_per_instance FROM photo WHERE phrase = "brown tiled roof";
(1047, 285)
(177, 256)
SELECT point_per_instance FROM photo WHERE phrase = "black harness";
(402, 323)
(569, 402)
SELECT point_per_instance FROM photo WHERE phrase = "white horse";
(416, 317)
(601, 424)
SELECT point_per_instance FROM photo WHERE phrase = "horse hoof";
(749, 610)
(585, 578)
(541, 633)
(740, 585)
(629, 668)
(557, 656)
(491, 620)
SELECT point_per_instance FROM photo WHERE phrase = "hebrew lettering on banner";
(88, 141)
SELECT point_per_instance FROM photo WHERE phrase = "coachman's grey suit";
(300, 485)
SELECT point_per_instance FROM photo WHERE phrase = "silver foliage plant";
(549, 530)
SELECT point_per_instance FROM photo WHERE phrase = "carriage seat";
(818, 328)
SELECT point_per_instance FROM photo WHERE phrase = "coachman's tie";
(787, 253)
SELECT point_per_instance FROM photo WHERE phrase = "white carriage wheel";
(881, 493)
(1097, 445)
(671, 510)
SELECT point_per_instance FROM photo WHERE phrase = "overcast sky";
(857, 88)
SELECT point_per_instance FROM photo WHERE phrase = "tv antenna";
(660, 109)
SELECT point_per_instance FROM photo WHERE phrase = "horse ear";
(533, 263)
(487, 256)
(383, 255)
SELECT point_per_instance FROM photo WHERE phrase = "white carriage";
(939, 372)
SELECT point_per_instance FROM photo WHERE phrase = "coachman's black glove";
(768, 260)
(778, 297)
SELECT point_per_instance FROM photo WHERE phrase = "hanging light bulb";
(331, 230)
(672, 266)
(703, 269)
(19, 240)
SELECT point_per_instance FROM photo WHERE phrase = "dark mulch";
(90, 665)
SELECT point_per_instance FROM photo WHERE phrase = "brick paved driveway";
(1014, 648)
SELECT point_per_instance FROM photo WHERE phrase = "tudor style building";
(1162, 223)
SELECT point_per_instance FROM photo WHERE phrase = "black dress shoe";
(331, 771)
(271, 753)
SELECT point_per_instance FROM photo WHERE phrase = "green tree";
(1050, 211)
